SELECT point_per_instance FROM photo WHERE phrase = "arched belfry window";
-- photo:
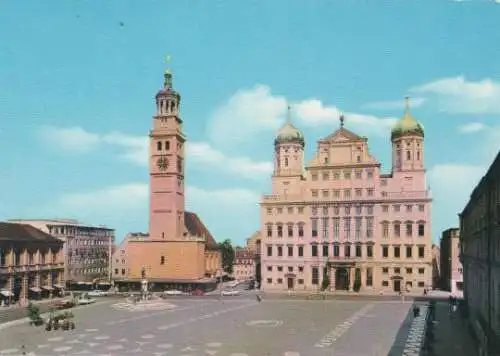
(158, 146)
(167, 145)
(408, 155)
(286, 161)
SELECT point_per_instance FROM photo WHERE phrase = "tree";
(227, 251)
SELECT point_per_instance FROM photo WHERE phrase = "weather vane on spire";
(167, 60)
(288, 114)
(407, 103)
(341, 118)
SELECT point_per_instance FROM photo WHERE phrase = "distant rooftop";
(59, 221)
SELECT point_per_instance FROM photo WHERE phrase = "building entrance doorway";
(396, 285)
(290, 282)
(341, 278)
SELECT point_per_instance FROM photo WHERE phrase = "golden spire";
(288, 114)
(407, 104)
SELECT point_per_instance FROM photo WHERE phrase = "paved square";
(232, 327)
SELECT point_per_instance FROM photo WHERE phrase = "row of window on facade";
(79, 231)
(88, 261)
(358, 228)
(358, 209)
(87, 242)
(384, 270)
(348, 250)
(88, 271)
(345, 174)
(30, 258)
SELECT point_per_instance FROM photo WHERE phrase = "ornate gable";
(342, 135)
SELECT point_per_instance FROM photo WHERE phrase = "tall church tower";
(166, 166)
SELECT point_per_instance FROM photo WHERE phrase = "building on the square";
(436, 266)
(31, 263)
(87, 250)
(244, 266)
(451, 267)
(179, 251)
(342, 220)
(480, 257)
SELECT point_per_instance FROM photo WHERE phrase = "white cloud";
(72, 139)
(459, 96)
(247, 113)
(135, 150)
(126, 207)
(472, 127)
(313, 113)
(394, 105)
(243, 166)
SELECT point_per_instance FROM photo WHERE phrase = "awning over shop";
(47, 287)
(35, 289)
(6, 293)
(58, 286)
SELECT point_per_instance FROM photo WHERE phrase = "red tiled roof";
(25, 233)
(196, 228)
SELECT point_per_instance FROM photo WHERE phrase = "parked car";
(173, 292)
(198, 292)
(97, 293)
(85, 301)
(64, 304)
(231, 293)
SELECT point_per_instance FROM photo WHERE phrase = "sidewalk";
(451, 333)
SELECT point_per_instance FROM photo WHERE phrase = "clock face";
(162, 163)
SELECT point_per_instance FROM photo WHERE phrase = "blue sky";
(78, 79)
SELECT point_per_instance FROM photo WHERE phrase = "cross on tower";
(341, 118)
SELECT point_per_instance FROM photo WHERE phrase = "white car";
(97, 293)
(85, 301)
(230, 293)
(174, 292)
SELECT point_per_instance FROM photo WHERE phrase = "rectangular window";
(336, 228)
(385, 229)
(385, 251)
(290, 251)
(369, 227)
(369, 210)
(280, 230)
(269, 251)
(397, 208)
(421, 251)
(347, 228)
(325, 211)
(369, 191)
(421, 229)
(358, 251)
(408, 251)
(385, 208)
(280, 251)
(421, 207)
(336, 194)
(409, 208)
(358, 192)
(314, 227)
(301, 230)
(369, 251)
(359, 209)
(162, 260)
(314, 193)
(325, 228)
(409, 229)
(347, 175)
(369, 277)
(358, 227)
(326, 176)
(315, 276)
(301, 251)
(397, 252)
(347, 209)
(325, 193)
(336, 250)
(325, 250)
(314, 250)
(314, 176)
(347, 251)
(269, 230)
(397, 230)
(358, 174)
(347, 193)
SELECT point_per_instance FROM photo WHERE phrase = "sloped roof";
(196, 227)
(342, 134)
(25, 233)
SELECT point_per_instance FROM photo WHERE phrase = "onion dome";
(289, 133)
(407, 125)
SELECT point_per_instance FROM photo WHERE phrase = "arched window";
(408, 155)
(167, 145)
(286, 161)
(158, 146)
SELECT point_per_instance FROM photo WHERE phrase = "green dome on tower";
(407, 125)
(289, 133)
